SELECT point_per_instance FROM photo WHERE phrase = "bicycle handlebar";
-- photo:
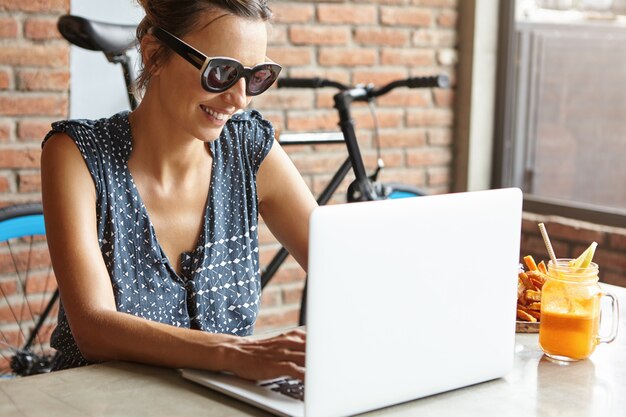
(435, 81)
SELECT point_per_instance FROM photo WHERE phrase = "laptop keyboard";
(290, 387)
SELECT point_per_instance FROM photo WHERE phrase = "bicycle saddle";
(112, 39)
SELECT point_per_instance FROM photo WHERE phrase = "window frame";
(506, 150)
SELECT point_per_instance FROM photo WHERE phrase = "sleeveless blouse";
(219, 287)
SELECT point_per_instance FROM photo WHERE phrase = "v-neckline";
(144, 210)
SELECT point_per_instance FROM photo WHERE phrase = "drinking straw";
(546, 240)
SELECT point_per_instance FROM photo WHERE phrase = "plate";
(526, 327)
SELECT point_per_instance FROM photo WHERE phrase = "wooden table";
(535, 387)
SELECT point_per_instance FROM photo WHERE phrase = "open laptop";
(406, 298)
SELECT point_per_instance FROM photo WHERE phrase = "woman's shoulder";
(94, 133)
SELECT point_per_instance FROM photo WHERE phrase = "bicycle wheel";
(28, 292)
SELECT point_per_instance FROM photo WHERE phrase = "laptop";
(406, 298)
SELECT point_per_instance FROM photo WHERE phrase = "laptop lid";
(409, 298)
(406, 298)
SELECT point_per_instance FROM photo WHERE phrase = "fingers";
(282, 355)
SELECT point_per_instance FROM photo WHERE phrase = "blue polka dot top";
(219, 287)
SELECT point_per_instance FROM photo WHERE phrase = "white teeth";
(218, 116)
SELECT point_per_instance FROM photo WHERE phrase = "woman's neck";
(163, 151)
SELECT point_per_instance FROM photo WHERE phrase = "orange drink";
(568, 335)
(570, 311)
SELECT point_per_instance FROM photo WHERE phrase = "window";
(562, 108)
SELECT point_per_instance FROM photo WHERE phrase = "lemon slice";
(584, 259)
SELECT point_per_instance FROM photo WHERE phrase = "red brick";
(318, 163)
(325, 98)
(406, 16)
(382, 1)
(428, 156)
(19, 158)
(41, 28)
(402, 138)
(407, 56)
(435, 3)
(573, 231)
(5, 80)
(378, 77)
(618, 240)
(6, 131)
(288, 273)
(292, 294)
(406, 98)
(411, 176)
(286, 99)
(33, 129)
(43, 80)
(335, 74)
(312, 120)
(430, 117)
(270, 297)
(319, 35)
(613, 278)
(53, 55)
(381, 36)
(290, 56)
(29, 182)
(36, 258)
(438, 175)
(393, 158)
(44, 6)
(434, 37)
(347, 13)
(8, 287)
(610, 260)
(5, 186)
(347, 56)
(33, 104)
(443, 98)
(42, 282)
(387, 118)
(439, 137)
(8, 27)
(447, 18)
(292, 13)
(277, 318)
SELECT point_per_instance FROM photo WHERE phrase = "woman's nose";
(236, 95)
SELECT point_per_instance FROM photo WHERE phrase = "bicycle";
(364, 187)
(115, 41)
(28, 290)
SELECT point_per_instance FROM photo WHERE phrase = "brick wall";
(350, 41)
(34, 83)
(355, 42)
(570, 238)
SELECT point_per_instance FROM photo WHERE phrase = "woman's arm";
(103, 333)
(285, 202)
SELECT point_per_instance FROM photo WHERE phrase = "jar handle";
(614, 320)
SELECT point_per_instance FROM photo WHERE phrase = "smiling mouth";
(214, 114)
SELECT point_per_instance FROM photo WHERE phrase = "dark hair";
(181, 17)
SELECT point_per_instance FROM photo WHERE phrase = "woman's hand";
(259, 359)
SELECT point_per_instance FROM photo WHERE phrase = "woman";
(151, 216)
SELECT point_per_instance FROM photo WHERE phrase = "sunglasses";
(218, 74)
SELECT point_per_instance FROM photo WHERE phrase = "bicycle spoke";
(17, 273)
(7, 344)
(42, 308)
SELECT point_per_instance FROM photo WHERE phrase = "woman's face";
(179, 90)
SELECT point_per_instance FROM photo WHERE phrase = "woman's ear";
(150, 47)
